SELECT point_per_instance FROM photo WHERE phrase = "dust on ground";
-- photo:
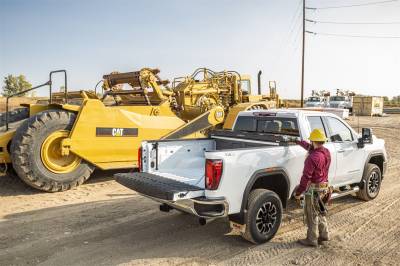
(103, 223)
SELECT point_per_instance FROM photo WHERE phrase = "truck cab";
(315, 101)
(338, 101)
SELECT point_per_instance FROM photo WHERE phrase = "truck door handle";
(344, 150)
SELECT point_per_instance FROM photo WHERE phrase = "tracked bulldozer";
(59, 144)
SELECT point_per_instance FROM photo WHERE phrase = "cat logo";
(116, 132)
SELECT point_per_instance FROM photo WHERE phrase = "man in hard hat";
(314, 186)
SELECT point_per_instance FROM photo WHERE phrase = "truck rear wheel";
(263, 216)
(372, 183)
(36, 153)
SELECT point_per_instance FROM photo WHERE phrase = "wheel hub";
(373, 183)
(266, 217)
(52, 157)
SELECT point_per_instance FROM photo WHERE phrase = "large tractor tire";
(36, 153)
(14, 116)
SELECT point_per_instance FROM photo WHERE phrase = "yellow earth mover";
(58, 145)
(205, 88)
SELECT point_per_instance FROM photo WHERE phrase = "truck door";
(349, 158)
(315, 122)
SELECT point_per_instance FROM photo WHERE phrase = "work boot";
(308, 243)
(322, 240)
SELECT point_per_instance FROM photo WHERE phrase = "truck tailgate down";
(159, 187)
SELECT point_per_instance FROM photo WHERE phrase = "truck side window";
(316, 123)
(339, 131)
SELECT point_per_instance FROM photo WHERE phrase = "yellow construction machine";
(58, 146)
(205, 89)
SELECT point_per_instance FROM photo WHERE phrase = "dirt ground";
(16, 101)
(103, 223)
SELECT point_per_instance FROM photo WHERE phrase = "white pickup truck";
(249, 173)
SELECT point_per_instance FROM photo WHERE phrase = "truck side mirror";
(366, 137)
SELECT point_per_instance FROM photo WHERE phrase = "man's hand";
(298, 198)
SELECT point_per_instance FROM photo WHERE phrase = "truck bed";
(184, 159)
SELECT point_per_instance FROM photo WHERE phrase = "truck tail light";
(139, 156)
(213, 174)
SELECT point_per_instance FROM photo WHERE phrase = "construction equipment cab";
(250, 172)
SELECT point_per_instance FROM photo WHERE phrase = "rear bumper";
(200, 207)
(177, 195)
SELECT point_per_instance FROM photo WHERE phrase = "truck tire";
(263, 216)
(372, 183)
(36, 154)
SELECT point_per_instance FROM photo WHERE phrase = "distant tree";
(62, 88)
(14, 84)
(385, 99)
(396, 99)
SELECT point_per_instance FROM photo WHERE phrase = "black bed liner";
(154, 185)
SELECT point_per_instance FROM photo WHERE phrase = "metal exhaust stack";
(259, 82)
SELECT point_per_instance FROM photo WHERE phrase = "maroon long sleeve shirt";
(316, 166)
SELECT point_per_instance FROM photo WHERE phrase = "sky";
(90, 38)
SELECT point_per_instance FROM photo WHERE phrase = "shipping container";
(368, 105)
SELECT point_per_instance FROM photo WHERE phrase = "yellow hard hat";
(317, 135)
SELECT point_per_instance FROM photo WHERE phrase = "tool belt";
(317, 186)
(320, 195)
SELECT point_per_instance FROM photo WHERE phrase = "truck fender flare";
(261, 174)
(375, 154)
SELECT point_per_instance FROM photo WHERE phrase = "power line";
(354, 5)
(353, 36)
(284, 43)
(296, 25)
(295, 14)
(296, 46)
(298, 21)
(297, 34)
(352, 23)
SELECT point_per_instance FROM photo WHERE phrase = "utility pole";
(302, 54)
